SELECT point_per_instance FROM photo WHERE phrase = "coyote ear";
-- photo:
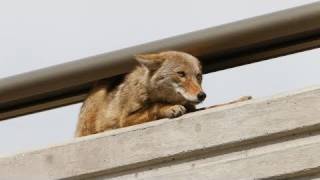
(151, 61)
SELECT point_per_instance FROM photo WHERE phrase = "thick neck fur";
(142, 87)
(133, 92)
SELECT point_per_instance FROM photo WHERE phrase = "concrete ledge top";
(168, 140)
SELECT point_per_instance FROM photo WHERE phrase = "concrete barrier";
(275, 137)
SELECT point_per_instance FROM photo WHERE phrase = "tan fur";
(155, 89)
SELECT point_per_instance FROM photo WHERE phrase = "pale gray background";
(40, 33)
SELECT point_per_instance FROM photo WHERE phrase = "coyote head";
(173, 77)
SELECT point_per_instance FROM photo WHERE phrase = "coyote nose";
(201, 96)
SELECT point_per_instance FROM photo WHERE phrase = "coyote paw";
(244, 98)
(174, 111)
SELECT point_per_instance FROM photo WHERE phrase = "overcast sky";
(41, 33)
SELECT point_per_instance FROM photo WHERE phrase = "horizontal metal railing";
(221, 47)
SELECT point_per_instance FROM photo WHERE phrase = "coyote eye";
(181, 74)
(199, 77)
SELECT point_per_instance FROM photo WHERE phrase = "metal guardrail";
(226, 46)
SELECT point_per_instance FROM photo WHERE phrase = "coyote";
(162, 85)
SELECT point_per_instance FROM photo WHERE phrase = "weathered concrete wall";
(276, 137)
